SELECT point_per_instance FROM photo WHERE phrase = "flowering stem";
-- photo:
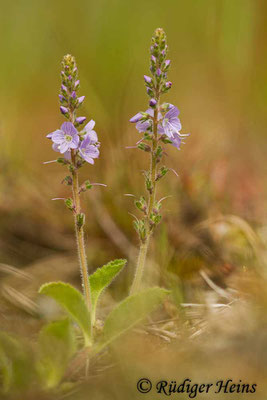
(79, 227)
(151, 202)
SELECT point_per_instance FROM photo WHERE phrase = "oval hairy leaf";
(73, 302)
(102, 278)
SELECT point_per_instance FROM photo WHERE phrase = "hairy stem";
(151, 202)
(140, 266)
(80, 240)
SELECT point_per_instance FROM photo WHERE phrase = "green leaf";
(101, 278)
(17, 369)
(56, 347)
(73, 302)
(129, 312)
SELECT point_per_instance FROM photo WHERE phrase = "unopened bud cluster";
(159, 65)
(68, 97)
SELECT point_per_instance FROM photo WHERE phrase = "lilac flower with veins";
(67, 153)
(66, 137)
(89, 130)
(177, 140)
(143, 126)
(170, 124)
(87, 150)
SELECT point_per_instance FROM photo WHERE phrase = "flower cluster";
(82, 145)
(168, 123)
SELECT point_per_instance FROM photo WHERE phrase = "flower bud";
(153, 102)
(64, 110)
(144, 147)
(80, 120)
(147, 79)
(136, 118)
(69, 204)
(80, 219)
(81, 99)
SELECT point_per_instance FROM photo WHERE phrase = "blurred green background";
(218, 53)
(215, 219)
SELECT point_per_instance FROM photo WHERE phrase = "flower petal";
(64, 147)
(58, 136)
(67, 154)
(176, 141)
(175, 124)
(68, 128)
(142, 126)
(88, 159)
(75, 141)
(49, 136)
(88, 127)
(93, 136)
(92, 151)
(173, 112)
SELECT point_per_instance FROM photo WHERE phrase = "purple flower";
(63, 87)
(67, 153)
(76, 83)
(64, 110)
(143, 126)
(66, 137)
(168, 84)
(73, 94)
(61, 98)
(80, 120)
(147, 79)
(177, 139)
(153, 59)
(170, 123)
(167, 63)
(87, 150)
(158, 72)
(88, 130)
